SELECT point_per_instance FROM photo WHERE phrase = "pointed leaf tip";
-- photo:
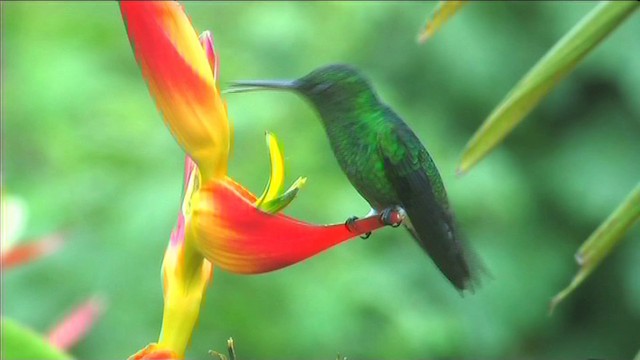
(443, 11)
(602, 241)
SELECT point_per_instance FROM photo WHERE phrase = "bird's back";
(388, 165)
(354, 141)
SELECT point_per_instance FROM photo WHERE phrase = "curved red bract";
(236, 236)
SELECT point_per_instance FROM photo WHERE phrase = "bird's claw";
(350, 224)
(391, 217)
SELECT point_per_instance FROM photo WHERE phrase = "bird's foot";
(391, 217)
(350, 223)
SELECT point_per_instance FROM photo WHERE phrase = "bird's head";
(333, 86)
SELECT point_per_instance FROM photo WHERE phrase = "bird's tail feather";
(453, 256)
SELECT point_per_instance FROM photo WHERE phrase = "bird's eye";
(321, 87)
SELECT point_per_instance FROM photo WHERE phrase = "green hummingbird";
(382, 158)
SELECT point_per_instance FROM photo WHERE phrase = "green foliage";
(536, 84)
(21, 343)
(86, 149)
(601, 242)
(544, 76)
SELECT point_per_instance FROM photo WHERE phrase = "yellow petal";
(276, 179)
(185, 275)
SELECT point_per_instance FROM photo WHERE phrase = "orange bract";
(181, 80)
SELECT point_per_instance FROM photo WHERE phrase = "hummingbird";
(383, 159)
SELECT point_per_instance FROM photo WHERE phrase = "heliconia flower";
(220, 222)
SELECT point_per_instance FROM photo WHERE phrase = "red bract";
(240, 238)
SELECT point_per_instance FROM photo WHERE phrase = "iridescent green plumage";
(382, 157)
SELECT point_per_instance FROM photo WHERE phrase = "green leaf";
(440, 15)
(20, 342)
(544, 76)
(602, 241)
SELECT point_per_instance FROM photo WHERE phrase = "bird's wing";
(407, 167)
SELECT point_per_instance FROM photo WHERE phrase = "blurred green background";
(85, 147)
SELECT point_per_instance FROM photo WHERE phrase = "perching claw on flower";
(220, 222)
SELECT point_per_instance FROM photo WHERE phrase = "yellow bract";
(276, 178)
(185, 39)
(186, 275)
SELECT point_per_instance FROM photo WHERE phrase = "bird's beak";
(253, 85)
